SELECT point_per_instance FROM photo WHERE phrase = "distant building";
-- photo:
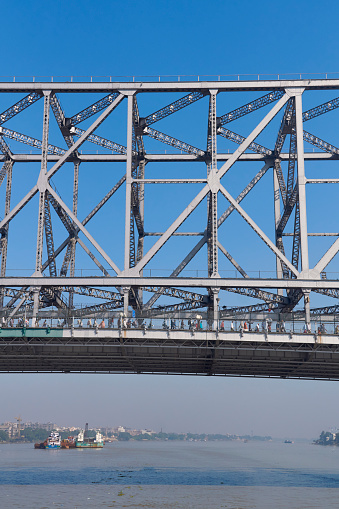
(48, 426)
(147, 432)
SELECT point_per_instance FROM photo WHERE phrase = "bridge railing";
(169, 78)
(196, 323)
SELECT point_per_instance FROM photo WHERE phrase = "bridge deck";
(279, 355)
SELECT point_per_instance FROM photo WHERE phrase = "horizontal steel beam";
(322, 181)
(157, 158)
(285, 234)
(168, 281)
(180, 86)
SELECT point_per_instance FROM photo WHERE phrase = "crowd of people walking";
(266, 326)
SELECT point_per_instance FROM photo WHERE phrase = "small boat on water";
(288, 442)
(86, 442)
(52, 442)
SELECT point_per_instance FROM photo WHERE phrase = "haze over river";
(176, 475)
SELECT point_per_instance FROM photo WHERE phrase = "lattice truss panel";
(108, 190)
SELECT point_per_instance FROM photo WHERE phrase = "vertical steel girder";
(42, 183)
(69, 258)
(281, 268)
(3, 171)
(212, 199)
(301, 185)
(129, 258)
(49, 237)
(75, 212)
(296, 238)
(42, 187)
(4, 232)
(287, 126)
(4, 148)
(292, 158)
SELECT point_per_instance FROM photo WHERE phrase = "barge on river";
(82, 441)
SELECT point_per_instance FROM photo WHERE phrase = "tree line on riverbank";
(39, 435)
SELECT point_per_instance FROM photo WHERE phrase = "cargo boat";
(85, 442)
(82, 441)
(68, 443)
(52, 442)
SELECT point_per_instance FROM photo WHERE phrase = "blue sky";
(158, 37)
(171, 38)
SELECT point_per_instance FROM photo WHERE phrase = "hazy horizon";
(279, 408)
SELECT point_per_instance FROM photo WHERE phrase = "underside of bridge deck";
(160, 352)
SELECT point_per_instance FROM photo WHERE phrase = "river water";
(171, 475)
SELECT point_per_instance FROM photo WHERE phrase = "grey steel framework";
(55, 285)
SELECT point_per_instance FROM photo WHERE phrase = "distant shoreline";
(171, 438)
(35, 435)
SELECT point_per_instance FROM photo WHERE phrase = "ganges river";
(171, 475)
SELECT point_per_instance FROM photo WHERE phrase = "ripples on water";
(232, 475)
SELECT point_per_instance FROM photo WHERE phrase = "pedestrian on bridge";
(102, 324)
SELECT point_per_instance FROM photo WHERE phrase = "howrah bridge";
(96, 201)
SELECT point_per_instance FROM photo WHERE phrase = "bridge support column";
(129, 221)
(42, 184)
(302, 200)
(35, 306)
(126, 290)
(213, 309)
(307, 308)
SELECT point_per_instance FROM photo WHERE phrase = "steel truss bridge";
(46, 201)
